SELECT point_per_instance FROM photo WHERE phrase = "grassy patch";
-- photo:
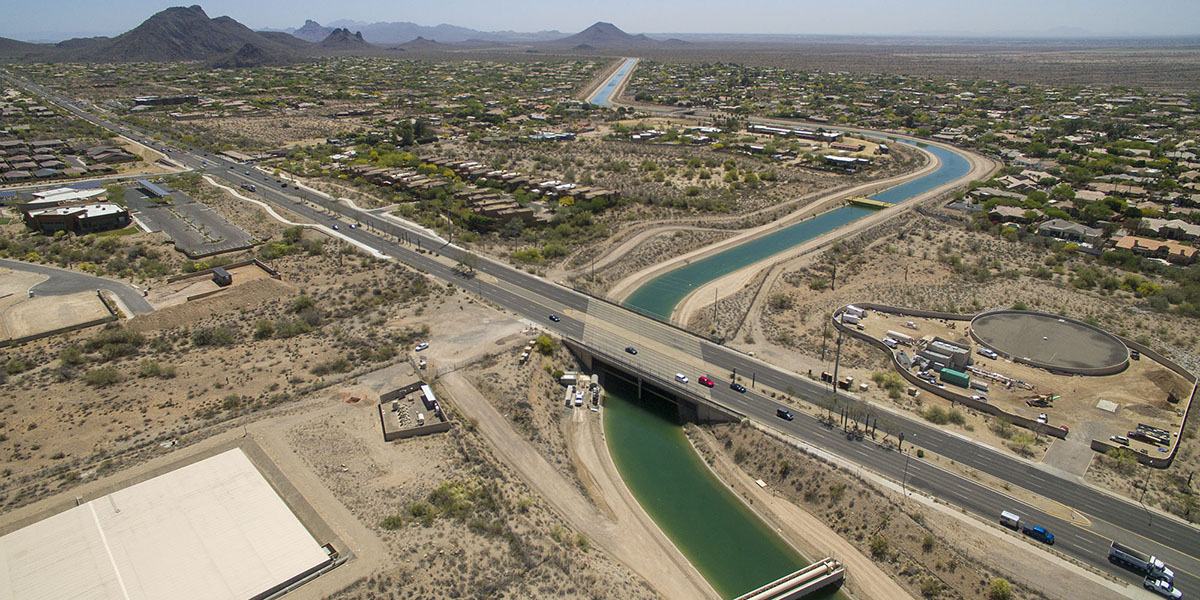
(131, 230)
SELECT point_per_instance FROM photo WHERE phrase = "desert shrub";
(879, 547)
(337, 365)
(545, 344)
(102, 377)
(392, 523)
(931, 588)
(263, 328)
(936, 415)
(151, 368)
(217, 335)
(1000, 589)
(15, 365)
(115, 342)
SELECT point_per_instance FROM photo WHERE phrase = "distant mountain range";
(403, 31)
(189, 34)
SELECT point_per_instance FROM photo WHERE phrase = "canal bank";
(723, 538)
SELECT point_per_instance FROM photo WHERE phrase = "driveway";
(62, 282)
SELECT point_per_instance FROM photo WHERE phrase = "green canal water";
(731, 547)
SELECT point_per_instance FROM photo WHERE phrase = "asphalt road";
(535, 298)
(63, 282)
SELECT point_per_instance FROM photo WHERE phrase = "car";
(784, 414)
(1039, 533)
(737, 387)
(706, 382)
(1119, 439)
(987, 353)
(1161, 586)
(283, 185)
(1042, 418)
(421, 346)
(681, 378)
(979, 398)
(554, 318)
(631, 349)
(335, 227)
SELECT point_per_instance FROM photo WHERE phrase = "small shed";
(221, 277)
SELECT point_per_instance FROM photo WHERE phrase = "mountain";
(421, 43)
(287, 40)
(342, 39)
(397, 32)
(176, 33)
(312, 31)
(81, 44)
(606, 35)
(17, 49)
(249, 56)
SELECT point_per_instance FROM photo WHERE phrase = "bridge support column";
(639, 387)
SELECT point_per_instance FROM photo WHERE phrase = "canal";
(659, 296)
(603, 96)
(732, 548)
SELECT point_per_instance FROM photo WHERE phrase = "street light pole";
(907, 458)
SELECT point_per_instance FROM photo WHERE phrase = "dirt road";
(625, 531)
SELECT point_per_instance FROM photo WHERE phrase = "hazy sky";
(23, 19)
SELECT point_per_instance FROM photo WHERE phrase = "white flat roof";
(89, 210)
(213, 529)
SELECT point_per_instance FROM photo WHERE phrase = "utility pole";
(837, 361)
(833, 278)
(824, 339)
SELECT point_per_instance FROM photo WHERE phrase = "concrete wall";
(233, 265)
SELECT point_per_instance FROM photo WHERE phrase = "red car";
(706, 382)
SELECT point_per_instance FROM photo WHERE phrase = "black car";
(554, 318)
(737, 387)
(784, 414)
(631, 349)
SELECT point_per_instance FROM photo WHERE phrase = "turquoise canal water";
(659, 296)
(731, 547)
(603, 96)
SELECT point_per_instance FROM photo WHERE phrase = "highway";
(665, 350)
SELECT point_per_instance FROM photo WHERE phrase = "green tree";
(545, 344)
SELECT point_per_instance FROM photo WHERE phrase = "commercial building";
(214, 529)
(77, 218)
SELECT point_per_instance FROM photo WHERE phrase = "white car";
(421, 346)
(681, 378)
(1162, 587)
(1042, 418)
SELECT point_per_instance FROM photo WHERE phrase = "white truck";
(1140, 561)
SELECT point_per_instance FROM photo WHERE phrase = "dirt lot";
(178, 292)
(1140, 391)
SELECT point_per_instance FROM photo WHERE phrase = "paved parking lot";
(196, 230)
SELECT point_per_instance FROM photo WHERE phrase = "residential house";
(1170, 250)
(1067, 230)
